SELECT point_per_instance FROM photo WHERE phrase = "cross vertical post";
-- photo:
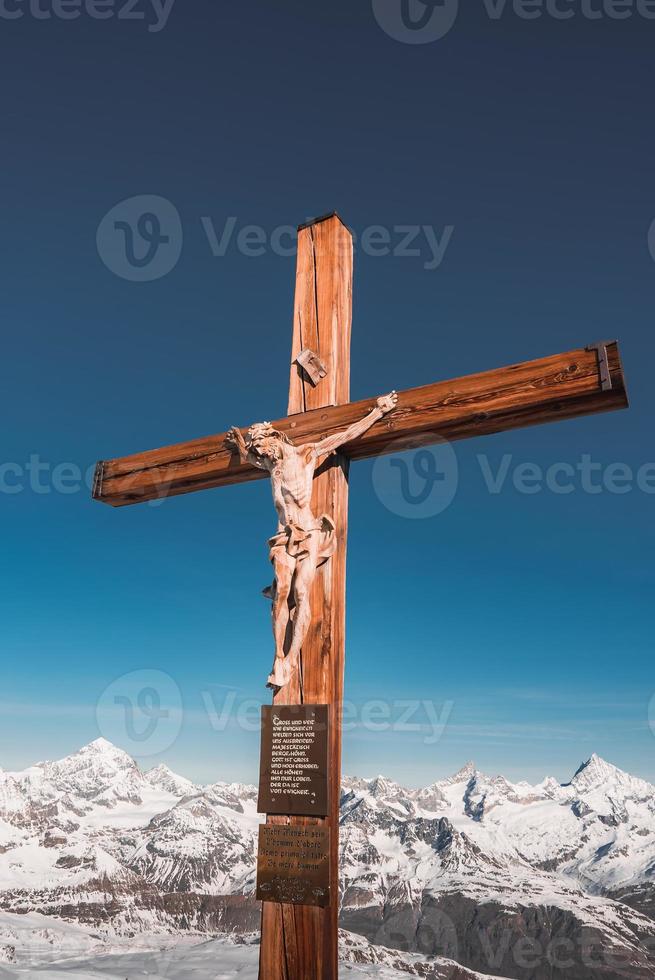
(299, 942)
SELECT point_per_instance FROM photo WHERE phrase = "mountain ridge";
(438, 871)
(102, 748)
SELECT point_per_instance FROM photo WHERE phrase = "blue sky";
(523, 620)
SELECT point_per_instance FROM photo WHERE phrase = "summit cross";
(307, 456)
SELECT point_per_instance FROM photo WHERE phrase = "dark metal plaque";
(293, 865)
(293, 776)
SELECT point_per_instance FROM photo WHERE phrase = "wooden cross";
(299, 942)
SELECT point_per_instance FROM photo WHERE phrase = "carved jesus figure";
(304, 540)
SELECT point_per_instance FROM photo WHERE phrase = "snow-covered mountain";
(507, 879)
(474, 857)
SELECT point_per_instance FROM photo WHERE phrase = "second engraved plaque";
(294, 760)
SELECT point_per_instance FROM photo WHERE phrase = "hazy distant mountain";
(508, 879)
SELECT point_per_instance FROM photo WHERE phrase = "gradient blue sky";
(527, 619)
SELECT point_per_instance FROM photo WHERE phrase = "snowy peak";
(102, 746)
(161, 777)
(99, 772)
(101, 752)
(593, 773)
(433, 798)
(463, 775)
(598, 777)
(382, 788)
(99, 755)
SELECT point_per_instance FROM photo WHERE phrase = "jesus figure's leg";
(302, 584)
(284, 566)
(305, 572)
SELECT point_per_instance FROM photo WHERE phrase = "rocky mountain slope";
(508, 879)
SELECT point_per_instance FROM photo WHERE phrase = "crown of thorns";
(260, 429)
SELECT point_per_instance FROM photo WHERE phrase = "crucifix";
(306, 455)
(303, 541)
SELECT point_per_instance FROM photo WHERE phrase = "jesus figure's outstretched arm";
(386, 403)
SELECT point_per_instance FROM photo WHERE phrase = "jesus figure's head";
(266, 441)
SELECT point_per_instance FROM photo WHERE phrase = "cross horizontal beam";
(564, 386)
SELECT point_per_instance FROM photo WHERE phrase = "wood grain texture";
(562, 386)
(299, 942)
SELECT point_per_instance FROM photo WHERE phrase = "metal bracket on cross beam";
(603, 362)
(312, 365)
(98, 477)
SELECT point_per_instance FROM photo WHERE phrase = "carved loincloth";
(295, 541)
